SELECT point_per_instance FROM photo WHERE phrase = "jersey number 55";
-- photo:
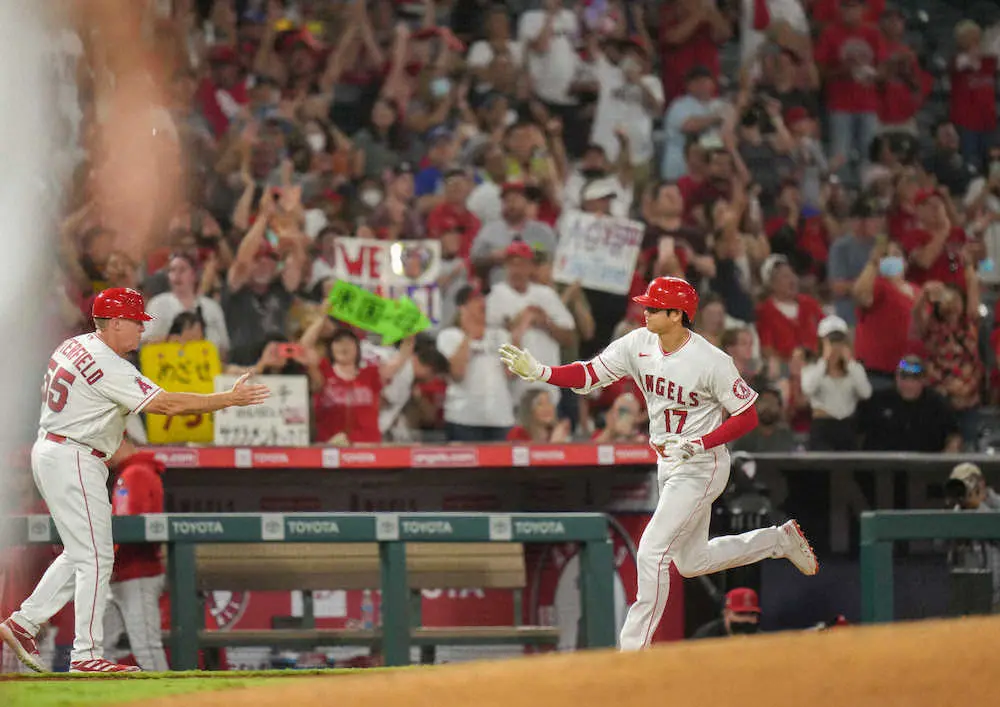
(55, 389)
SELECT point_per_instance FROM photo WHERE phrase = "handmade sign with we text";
(393, 270)
(598, 252)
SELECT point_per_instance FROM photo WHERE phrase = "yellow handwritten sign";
(181, 368)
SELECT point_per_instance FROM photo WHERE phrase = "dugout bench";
(880, 530)
(364, 550)
(348, 566)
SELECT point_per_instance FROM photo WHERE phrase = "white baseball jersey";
(686, 391)
(88, 392)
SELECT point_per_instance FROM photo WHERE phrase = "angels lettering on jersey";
(688, 391)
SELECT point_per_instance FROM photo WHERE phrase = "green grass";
(64, 690)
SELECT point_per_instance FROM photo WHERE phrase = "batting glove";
(681, 450)
(521, 363)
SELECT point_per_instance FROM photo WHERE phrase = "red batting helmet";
(670, 293)
(120, 303)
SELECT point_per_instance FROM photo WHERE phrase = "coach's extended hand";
(245, 393)
(521, 363)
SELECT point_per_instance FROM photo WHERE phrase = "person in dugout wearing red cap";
(740, 616)
(138, 578)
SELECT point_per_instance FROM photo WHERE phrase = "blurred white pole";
(28, 212)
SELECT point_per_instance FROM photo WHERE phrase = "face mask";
(317, 142)
(371, 198)
(590, 174)
(891, 266)
(440, 87)
(740, 628)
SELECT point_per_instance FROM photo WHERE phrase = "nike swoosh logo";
(643, 355)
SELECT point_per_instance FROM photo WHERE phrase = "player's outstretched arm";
(242, 394)
(521, 363)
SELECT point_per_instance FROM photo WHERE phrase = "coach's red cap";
(120, 303)
(742, 600)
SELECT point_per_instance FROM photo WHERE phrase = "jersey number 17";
(55, 389)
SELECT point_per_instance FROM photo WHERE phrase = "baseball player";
(697, 403)
(138, 579)
(88, 392)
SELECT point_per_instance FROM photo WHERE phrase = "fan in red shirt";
(346, 393)
(936, 250)
(973, 92)
(138, 578)
(885, 306)
(223, 94)
(906, 85)
(452, 215)
(690, 34)
(787, 319)
(849, 51)
(902, 215)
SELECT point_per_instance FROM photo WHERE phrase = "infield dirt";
(911, 665)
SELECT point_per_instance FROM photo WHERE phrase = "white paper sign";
(280, 421)
(599, 252)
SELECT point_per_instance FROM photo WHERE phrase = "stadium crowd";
(775, 153)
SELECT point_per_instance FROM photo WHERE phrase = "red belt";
(59, 439)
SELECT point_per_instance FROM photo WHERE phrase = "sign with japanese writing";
(393, 319)
(180, 368)
(598, 252)
(393, 269)
(280, 421)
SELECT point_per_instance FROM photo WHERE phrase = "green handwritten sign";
(392, 319)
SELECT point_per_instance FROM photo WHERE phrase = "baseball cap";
(968, 473)
(438, 134)
(910, 366)
(742, 600)
(403, 168)
(831, 324)
(599, 189)
(925, 195)
(520, 249)
(455, 171)
(222, 54)
(865, 207)
(509, 187)
(772, 261)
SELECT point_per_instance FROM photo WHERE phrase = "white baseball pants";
(678, 533)
(74, 486)
(134, 608)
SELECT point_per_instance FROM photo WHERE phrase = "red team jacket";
(138, 489)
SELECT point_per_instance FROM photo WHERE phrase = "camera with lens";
(956, 493)
(755, 115)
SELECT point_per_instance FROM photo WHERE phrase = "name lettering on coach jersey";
(81, 360)
(657, 385)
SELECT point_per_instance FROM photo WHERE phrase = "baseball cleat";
(100, 665)
(798, 551)
(22, 643)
